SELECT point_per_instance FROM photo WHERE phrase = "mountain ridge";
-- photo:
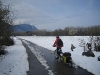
(24, 28)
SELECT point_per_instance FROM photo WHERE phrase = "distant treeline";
(68, 31)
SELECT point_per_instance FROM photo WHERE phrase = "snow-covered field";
(89, 63)
(15, 62)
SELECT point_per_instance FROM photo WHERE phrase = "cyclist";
(58, 45)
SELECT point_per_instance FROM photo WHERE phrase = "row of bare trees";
(68, 31)
(79, 31)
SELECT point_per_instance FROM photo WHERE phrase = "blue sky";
(55, 14)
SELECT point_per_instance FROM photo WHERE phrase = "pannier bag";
(67, 54)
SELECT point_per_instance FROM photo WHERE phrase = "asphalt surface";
(58, 68)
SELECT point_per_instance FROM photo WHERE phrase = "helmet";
(57, 36)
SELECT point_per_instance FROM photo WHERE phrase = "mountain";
(24, 28)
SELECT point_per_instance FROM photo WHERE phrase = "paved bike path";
(57, 67)
(35, 68)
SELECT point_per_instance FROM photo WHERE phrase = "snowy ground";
(15, 63)
(89, 63)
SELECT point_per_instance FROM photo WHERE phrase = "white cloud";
(30, 14)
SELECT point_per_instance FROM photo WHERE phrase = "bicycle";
(64, 57)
